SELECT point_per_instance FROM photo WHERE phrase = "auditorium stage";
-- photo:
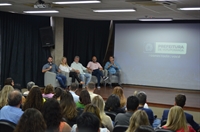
(157, 96)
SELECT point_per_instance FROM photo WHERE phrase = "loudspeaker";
(47, 37)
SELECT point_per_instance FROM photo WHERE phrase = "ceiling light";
(77, 2)
(115, 10)
(5, 4)
(190, 8)
(45, 11)
(155, 19)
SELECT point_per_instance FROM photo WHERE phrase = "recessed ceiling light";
(190, 8)
(155, 19)
(45, 11)
(115, 10)
(5, 4)
(77, 2)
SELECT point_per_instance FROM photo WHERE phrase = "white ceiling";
(144, 8)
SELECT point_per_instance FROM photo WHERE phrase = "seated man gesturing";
(96, 69)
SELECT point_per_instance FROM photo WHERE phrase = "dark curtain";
(85, 38)
(22, 53)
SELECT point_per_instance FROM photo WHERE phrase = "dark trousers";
(62, 80)
(98, 74)
(74, 76)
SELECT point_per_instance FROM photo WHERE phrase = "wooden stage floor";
(157, 97)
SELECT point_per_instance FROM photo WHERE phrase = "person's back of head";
(142, 97)
(31, 121)
(4, 95)
(145, 128)
(91, 86)
(120, 93)
(180, 100)
(85, 97)
(132, 103)
(52, 114)
(112, 103)
(48, 89)
(9, 81)
(99, 102)
(58, 92)
(93, 109)
(34, 99)
(30, 85)
(176, 119)
(88, 122)
(137, 119)
(73, 87)
(15, 98)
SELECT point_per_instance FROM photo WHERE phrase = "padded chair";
(163, 130)
(112, 115)
(163, 122)
(7, 126)
(113, 78)
(120, 128)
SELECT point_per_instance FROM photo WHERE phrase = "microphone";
(50, 64)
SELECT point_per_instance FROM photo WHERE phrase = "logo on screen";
(149, 47)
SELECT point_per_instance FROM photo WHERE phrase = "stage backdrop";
(85, 38)
(159, 54)
(22, 55)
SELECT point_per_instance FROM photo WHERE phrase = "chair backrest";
(7, 126)
(163, 130)
(111, 114)
(163, 122)
(120, 128)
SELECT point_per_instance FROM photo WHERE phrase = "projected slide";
(166, 55)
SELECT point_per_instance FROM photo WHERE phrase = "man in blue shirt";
(51, 67)
(113, 69)
(12, 111)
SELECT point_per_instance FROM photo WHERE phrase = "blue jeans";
(62, 80)
(98, 74)
(85, 77)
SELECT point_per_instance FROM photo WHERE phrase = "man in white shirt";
(90, 89)
(72, 90)
(79, 69)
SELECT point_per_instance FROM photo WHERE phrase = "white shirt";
(65, 68)
(101, 129)
(78, 66)
(76, 97)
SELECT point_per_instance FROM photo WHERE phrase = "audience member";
(145, 128)
(142, 100)
(79, 69)
(48, 91)
(180, 100)
(58, 92)
(96, 69)
(84, 99)
(12, 111)
(34, 99)
(88, 122)
(177, 121)
(91, 88)
(113, 104)
(120, 93)
(51, 67)
(137, 119)
(72, 89)
(95, 110)
(4, 95)
(53, 117)
(9, 81)
(68, 108)
(65, 67)
(29, 86)
(105, 120)
(113, 69)
(31, 121)
(124, 118)
(145, 105)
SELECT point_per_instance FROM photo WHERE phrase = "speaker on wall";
(47, 37)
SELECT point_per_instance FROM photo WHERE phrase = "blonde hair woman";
(176, 121)
(137, 119)
(72, 73)
(105, 120)
(120, 93)
(4, 95)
